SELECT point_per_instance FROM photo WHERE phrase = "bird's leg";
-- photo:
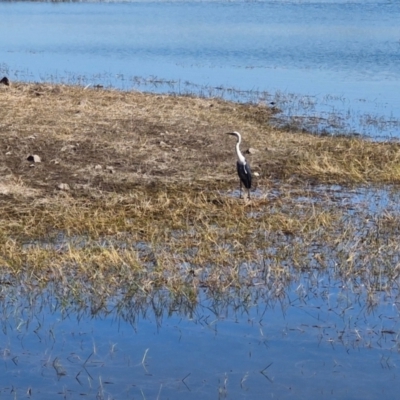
(240, 192)
(249, 194)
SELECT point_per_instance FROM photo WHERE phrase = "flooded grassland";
(133, 213)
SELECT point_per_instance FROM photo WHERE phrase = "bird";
(243, 168)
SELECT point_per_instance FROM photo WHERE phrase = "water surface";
(319, 340)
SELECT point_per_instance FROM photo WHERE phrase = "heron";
(243, 168)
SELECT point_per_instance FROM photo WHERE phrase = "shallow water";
(334, 62)
(318, 340)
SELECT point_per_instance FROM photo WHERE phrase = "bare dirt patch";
(110, 140)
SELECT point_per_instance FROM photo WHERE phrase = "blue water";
(298, 346)
(314, 59)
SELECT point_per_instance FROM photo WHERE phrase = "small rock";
(5, 81)
(110, 169)
(163, 144)
(251, 151)
(68, 147)
(31, 137)
(98, 167)
(256, 174)
(8, 153)
(63, 186)
(34, 158)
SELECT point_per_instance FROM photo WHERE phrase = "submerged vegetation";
(135, 195)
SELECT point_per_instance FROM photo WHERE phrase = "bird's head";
(234, 133)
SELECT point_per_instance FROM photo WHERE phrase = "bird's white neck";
(240, 156)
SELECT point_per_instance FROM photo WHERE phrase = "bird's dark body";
(244, 173)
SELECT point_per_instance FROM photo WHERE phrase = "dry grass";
(148, 206)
